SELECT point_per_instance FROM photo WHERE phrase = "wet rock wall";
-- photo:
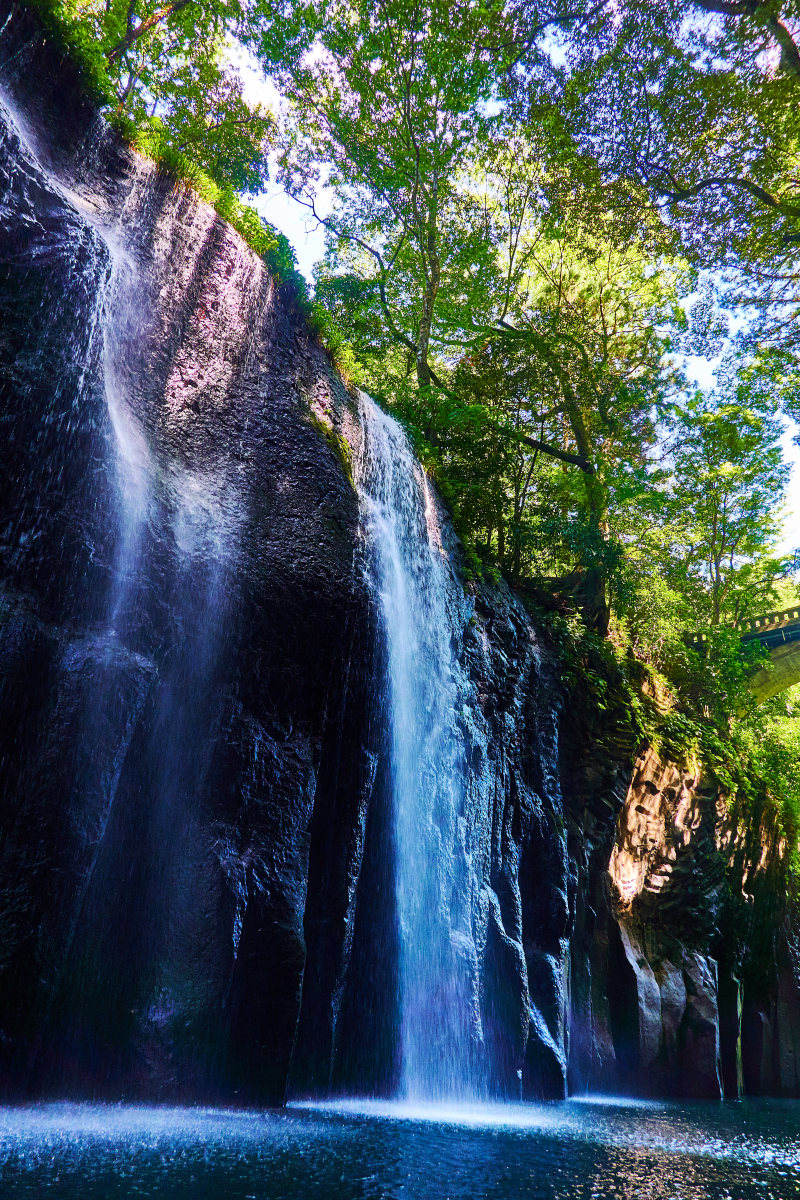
(196, 896)
(185, 637)
(196, 886)
(687, 984)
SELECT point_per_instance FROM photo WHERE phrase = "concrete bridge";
(779, 632)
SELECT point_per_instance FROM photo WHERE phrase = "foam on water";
(474, 1116)
(662, 1132)
(622, 1122)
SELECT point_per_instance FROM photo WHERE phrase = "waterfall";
(145, 545)
(242, 835)
(413, 580)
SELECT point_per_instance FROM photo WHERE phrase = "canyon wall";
(686, 971)
(196, 867)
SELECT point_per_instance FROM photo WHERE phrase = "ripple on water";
(579, 1150)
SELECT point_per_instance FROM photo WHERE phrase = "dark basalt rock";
(687, 985)
(196, 860)
(186, 669)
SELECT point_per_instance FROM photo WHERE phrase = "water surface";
(610, 1150)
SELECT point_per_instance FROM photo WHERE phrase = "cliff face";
(197, 855)
(686, 968)
(185, 637)
(196, 864)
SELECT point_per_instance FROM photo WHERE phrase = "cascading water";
(151, 567)
(162, 486)
(195, 777)
(413, 579)
(203, 803)
(174, 538)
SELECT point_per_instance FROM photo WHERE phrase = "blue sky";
(307, 238)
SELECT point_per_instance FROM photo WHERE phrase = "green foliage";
(264, 239)
(59, 20)
(537, 210)
(338, 444)
(171, 62)
(686, 109)
(754, 759)
(728, 484)
(394, 103)
(204, 136)
(771, 749)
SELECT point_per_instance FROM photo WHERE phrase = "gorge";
(292, 808)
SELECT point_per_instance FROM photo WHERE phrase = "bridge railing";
(757, 625)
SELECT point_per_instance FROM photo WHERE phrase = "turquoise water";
(610, 1150)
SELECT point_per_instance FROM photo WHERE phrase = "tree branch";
(144, 27)
(575, 460)
(396, 333)
(717, 181)
(760, 12)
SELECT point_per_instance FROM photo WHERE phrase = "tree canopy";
(167, 67)
(542, 215)
(687, 108)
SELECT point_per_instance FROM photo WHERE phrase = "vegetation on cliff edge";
(564, 249)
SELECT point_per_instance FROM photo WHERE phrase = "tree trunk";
(133, 35)
(592, 593)
(433, 278)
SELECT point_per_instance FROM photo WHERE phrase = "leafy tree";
(440, 245)
(201, 106)
(515, 186)
(728, 485)
(573, 372)
(166, 68)
(687, 109)
(771, 743)
(395, 101)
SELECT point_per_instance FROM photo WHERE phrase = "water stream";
(412, 577)
(159, 543)
(168, 566)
